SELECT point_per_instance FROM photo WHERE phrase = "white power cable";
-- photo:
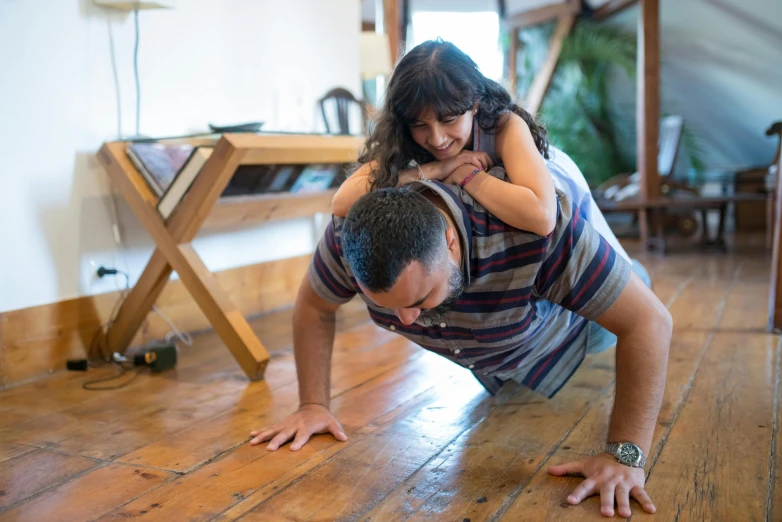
(114, 215)
(183, 336)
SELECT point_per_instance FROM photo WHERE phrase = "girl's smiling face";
(443, 138)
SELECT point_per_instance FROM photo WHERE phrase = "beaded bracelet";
(469, 177)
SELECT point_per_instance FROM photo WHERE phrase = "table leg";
(704, 227)
(656, 219)
(720, 239)
(138, 303)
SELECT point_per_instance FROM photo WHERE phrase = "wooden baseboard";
(38, 340)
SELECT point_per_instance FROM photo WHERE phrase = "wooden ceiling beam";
(611, 8)
(391, 17)
(543, 78)
(511, 62)
(547, 13)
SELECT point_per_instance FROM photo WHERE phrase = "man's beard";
(436, 315)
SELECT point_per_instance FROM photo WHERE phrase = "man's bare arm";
(314, 323)
(643, 328)
(313, 341)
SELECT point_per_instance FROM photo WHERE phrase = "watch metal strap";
(613, 449)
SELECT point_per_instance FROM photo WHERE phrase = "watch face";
(629, 453)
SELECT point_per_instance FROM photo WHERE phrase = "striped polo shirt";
(527, 301)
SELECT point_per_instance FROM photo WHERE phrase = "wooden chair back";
(342, 99)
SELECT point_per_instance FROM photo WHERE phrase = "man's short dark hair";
(386, 230)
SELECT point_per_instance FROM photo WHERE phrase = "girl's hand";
(443, 169)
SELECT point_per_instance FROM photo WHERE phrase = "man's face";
(420, 296)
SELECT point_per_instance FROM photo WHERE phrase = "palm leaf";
(577, 111)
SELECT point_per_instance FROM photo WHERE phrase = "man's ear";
(451, 240)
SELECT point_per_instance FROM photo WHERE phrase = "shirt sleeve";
(327, 273)
(581, 271)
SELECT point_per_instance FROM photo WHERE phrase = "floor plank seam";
(32, 380)
(61, 452)
(679, 291)
(27, 445)
(402, 484)
(511, 498)
(179, 474)
(176, 475)
(688, 387)
(103, 461)
(370, 507)
(243, 442)
(86, 402)
(249, 494)
(217, 456)
(774, 427)
(238, 444)
(654, 457)
(143, 493)
(492, 408)
(15, 457)
(129, 465)
(37, 494)
(355, 437)
(411, 359)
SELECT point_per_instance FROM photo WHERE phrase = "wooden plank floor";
(425, 441)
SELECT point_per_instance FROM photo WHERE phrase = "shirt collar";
(459, 215)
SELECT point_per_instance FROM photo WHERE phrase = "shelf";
(264, 149)
(202, 207)
(679, 202)
(268, 148)
(235, 211)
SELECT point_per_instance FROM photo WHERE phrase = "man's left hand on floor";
(612, 480)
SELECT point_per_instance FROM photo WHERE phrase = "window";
(477, 34)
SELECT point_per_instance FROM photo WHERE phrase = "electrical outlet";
(94, 268)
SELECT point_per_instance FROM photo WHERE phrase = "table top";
(681, 202)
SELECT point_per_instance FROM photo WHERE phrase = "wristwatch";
(627, 453)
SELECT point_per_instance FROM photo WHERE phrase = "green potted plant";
(578, 110)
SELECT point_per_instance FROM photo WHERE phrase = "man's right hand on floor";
(309, 420)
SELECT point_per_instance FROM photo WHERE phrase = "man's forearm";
(313, 341)
(641, 366)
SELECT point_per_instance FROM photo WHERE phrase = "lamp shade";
(134, 5)
(375, 55)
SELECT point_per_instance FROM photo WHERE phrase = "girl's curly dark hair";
(437, 75)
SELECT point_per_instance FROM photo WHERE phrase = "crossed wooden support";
(173, 237)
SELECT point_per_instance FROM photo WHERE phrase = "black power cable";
(98, 343)
(90, 385)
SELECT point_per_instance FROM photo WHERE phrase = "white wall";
(204, 61)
